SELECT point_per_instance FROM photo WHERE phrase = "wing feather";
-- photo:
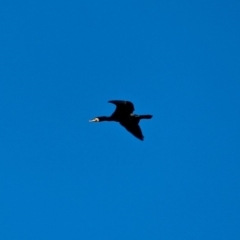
(122, 107)
(134, 129)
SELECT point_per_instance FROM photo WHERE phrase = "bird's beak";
(94, 120)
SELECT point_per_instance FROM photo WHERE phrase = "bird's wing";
(122, 107)
(134, 129)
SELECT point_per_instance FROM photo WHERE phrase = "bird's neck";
(104, 118)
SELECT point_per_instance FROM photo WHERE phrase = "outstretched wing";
(122, 107)
(134, 129)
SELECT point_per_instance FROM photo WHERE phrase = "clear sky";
(62, 177)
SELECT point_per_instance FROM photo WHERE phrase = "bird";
(124, 115)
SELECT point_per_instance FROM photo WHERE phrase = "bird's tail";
(145, 116)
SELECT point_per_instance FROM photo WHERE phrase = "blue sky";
(62, 177)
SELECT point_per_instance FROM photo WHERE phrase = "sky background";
(62, 177)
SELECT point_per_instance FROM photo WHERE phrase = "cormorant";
(124, 115)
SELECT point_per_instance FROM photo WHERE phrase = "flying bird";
(125, 116)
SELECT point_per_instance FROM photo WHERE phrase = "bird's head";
(99, 119)
(95, 120)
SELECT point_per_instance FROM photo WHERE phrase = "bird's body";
(124, 115)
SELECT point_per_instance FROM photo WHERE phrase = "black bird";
(124, 115)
